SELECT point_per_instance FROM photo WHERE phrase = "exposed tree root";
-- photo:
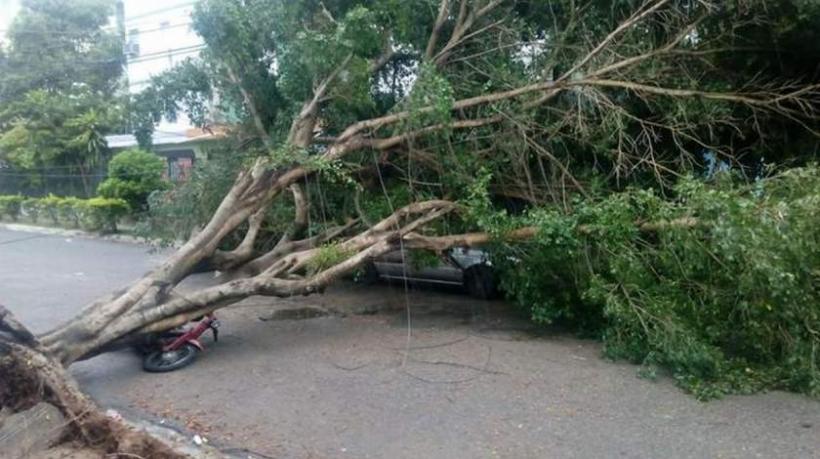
(28, 377)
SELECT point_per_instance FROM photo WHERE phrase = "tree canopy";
(59, 77)
(645, 106)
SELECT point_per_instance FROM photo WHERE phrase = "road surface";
(472, 380)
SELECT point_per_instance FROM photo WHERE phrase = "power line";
(161, 10)
(144, 58)
(52, 32)
(103, 29)
(163, 28)
(170, 52)
(61, 46)
(106, 29)
(80, 34)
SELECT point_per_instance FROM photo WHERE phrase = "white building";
(158, 35)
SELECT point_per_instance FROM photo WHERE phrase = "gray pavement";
(45, 279)
(472, 380)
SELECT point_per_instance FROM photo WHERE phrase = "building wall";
(158, 36)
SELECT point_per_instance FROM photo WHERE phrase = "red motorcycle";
(175, 349)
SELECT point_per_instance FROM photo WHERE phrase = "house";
(181, 149)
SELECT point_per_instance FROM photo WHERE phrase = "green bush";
(132, 176)
(50, 205)
(70, 210)
(11, 206)
(99, 214)
(102, 214)
(32, 209)
(724, 294)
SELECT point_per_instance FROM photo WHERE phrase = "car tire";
(369, 275)
(480, 282)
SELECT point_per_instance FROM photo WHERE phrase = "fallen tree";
(151, 303)
(343, 89)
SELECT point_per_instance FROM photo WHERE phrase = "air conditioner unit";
(132, 50)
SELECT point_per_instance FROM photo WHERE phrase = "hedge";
(10, 206)
(98, 214)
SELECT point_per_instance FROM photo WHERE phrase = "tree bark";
(29, 376)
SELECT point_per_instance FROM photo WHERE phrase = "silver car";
(465, 267)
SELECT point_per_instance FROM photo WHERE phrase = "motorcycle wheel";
(160, 362)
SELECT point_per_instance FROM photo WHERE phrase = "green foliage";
(11, 206)
(51, 206)
(723, 292)
(102, 214)
(188, 85)
(58, 45)
(327, 256)
(70, 210)
(132, 176)
(98, 214)
(431, 100)
(55, 130)
(32, 208)
(174, 213)
(58, 77)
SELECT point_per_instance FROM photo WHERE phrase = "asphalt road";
(472, 381)
(46, 279)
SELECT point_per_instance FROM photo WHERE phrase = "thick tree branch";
(249, 102)
(441, 19)
(390, 142)
(301, 215)
(372, 243)
(667, 49)
(772, 102)
(263, 262)
(465, 21)
(301, 130)
(244, 251)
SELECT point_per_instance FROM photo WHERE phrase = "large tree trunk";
(30, 376)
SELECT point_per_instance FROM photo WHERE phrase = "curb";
(76, 233)
(178, 437)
